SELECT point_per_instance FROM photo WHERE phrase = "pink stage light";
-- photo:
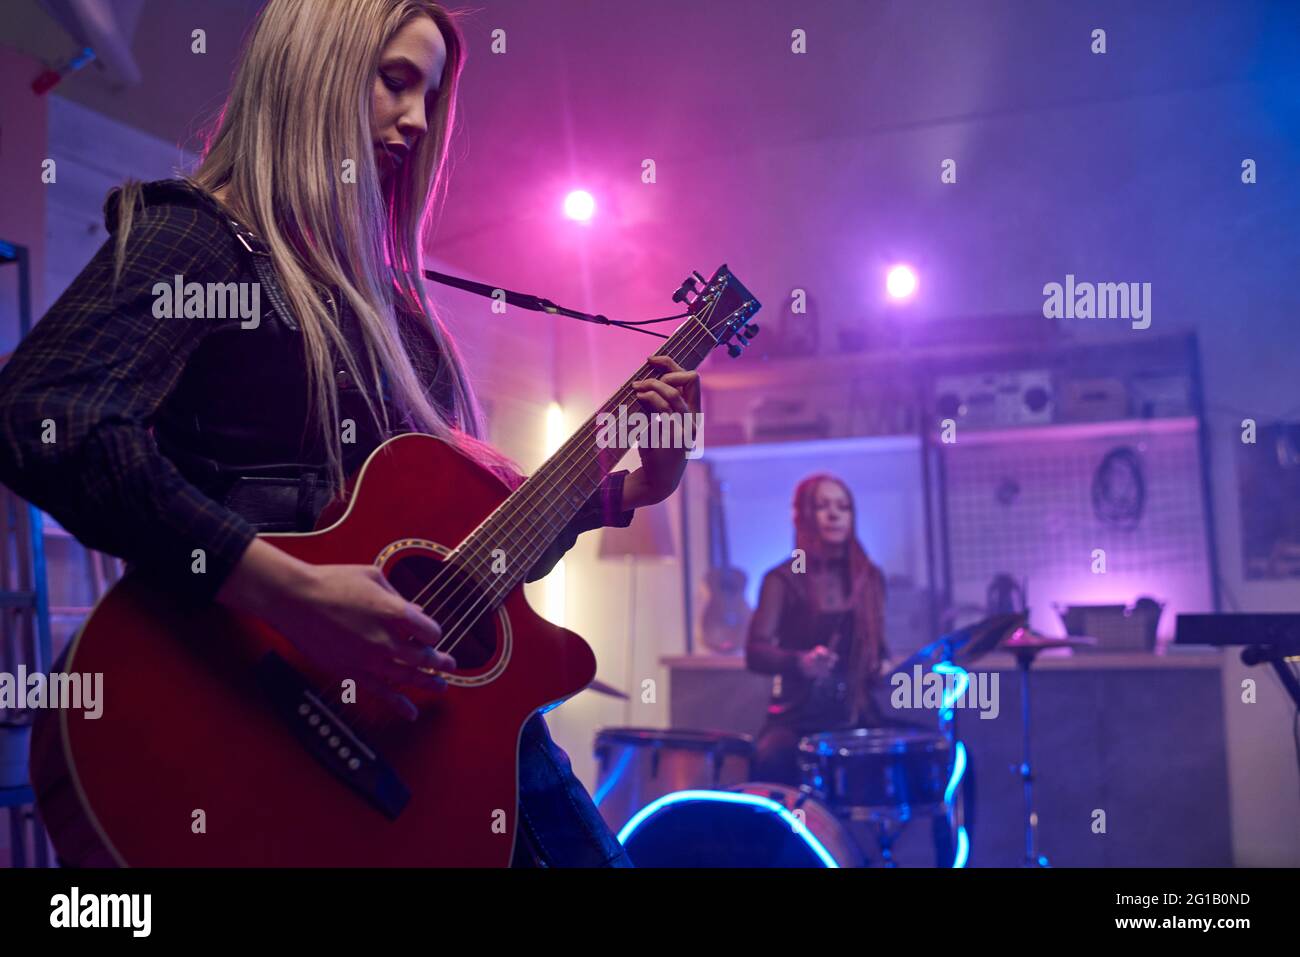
(579, 205)
(900, 282)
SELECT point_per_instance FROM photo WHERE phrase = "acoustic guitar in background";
(724, 620)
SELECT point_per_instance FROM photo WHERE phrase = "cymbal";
(966, 644)
(1027, 641)
(601, 688)
(988, 634)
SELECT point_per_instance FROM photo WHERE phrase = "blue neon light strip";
(729, 797)
(603, 791)
(950, 696)
(959, 751)
(963, 848)
(958, 769)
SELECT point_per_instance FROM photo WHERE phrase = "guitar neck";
(526, 523)
(719, 554)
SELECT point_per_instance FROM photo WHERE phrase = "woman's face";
(833, 512)
(405, 88)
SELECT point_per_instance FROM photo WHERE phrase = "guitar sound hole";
(455, 601)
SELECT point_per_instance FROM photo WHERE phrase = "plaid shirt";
(79, 398)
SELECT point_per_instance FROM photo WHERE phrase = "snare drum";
(867, 773)
(638, 765)
(750, 825)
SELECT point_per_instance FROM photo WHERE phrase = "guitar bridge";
(328, 739)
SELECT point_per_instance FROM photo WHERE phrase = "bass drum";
(749, 825)
(637, 765)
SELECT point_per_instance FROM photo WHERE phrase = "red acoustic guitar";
(210, 716)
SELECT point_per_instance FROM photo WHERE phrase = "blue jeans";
(559, 825)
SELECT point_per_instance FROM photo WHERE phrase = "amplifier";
(1156, 396)
(1093, 400)
(773, 419)
(995, 399)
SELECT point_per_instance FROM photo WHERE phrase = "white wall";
(93, 154)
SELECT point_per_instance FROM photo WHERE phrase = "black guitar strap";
(264, 269)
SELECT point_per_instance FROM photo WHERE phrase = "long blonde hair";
(298, 111)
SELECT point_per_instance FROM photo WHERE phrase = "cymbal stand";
(1024, 659)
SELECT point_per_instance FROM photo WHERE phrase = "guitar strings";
(473, 612)
(535, 534)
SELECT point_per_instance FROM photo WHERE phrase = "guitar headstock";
(720, 308)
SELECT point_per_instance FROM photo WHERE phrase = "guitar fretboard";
(527, 522)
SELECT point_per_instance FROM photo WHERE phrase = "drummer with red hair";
(818, 629)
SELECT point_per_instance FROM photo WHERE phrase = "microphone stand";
(536, 303)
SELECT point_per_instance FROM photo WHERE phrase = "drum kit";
(683, 798)
(671, 795)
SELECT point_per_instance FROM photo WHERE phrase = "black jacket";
(145, 436)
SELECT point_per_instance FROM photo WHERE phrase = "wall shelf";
(767, 371)
(765, 450)
(1072, 431)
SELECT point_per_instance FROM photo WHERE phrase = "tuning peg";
(733, 350)
(687, 288)
(751, 330)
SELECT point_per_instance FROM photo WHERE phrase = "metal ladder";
(26, 637)
(24, 619)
